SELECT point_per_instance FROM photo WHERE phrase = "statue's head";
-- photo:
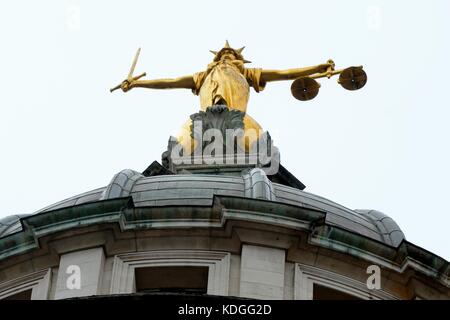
(228, 53)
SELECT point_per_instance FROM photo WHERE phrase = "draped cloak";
(226, 82)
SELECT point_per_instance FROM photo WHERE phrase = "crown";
(227, 48)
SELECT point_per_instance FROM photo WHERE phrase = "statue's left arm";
(268, 75)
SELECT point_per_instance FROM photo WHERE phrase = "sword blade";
(130, 74)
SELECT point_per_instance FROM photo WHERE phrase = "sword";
(130, 74)
(133, 65)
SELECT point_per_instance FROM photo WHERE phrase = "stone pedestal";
(219, 136)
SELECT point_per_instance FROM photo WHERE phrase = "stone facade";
(257, 238)
(257, 235)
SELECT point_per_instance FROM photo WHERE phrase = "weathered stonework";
(258, 235)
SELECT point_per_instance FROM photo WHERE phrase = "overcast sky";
(385, 147)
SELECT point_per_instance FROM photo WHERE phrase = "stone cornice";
(224, 208)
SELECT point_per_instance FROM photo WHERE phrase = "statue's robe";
(226, 82)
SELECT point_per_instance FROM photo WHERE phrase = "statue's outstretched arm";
(186, 82)
(278, 75)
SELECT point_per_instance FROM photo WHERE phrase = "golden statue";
(226, 81)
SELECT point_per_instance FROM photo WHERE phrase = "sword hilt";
(133, 79)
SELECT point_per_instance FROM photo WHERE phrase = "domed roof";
(10, 224)
(200, 189)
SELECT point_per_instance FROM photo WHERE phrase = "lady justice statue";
(227, 82)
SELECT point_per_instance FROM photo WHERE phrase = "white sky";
(384, 147)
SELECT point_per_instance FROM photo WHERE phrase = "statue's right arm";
(186, 82)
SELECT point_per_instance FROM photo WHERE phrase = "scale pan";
(305, 88)
(353, 78)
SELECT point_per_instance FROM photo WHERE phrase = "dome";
(250, 233)
(10, 224)
(199, 190)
